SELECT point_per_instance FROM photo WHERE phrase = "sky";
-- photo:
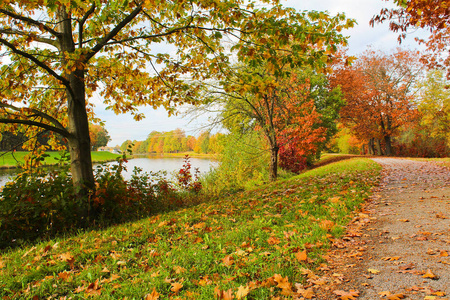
(123, 127)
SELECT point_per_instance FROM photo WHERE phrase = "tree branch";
(36, 61)
(35, 37)
(81, 24)
(31, 22)
(64, 133)
(36, 112)
(113, 33)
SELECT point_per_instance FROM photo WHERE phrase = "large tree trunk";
(378, 146)
(273, 167)
(371, 147)
(387, 140)
(79, 142)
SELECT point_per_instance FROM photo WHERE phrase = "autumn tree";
(99, 136)
(434, 105)
(433, 15)
(378, 89)
(56, 54)
(254, 84)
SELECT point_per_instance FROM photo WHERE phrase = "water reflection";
(147, 163)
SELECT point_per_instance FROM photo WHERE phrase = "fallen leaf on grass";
(430, 275)
(154, 295)
(273, 240)
(242, 292)
(176, 287)
(93, 289)
(228, 260)
(301, 256)
(343, 295)
(223, 295)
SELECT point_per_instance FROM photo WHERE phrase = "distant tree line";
(176, 141)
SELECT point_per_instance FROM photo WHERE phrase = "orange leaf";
(273, 240)
(176, 287)
(301, 256)
(307, 294)
(430, 275)
(282, 282)
(343, 295)
(154, 295)
(228, 260)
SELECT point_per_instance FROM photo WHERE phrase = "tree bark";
(378, 146)
(388, 142)
(79, 140)
(273, 168)
(370, 147)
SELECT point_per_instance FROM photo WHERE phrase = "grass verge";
(9, 160)
(253, 245)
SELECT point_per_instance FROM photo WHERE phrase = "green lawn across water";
(257, 244)
(10, 159)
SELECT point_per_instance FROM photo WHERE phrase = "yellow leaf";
(242, 292)
(373, 271)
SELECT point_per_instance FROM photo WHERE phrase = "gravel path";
(399, 248)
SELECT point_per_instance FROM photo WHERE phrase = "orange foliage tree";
(378, 91)
(433, 15)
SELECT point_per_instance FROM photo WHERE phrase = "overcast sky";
(122, 127)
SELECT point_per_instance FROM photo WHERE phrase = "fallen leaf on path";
(430, 275)
(391, 258)
(403, 220)
(443, 254)
(343, 295)
(307, 294)
(373, 271)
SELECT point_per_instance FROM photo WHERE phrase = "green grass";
(9, 160)
(252, 241)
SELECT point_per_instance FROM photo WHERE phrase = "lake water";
(148, 164)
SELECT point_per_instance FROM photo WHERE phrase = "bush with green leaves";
(43, 203)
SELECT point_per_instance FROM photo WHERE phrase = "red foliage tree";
(377, 88)
(297, 124)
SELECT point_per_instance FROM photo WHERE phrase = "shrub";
(42, 203)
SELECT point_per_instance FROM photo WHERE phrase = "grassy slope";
(10, 160)
(237, 244)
